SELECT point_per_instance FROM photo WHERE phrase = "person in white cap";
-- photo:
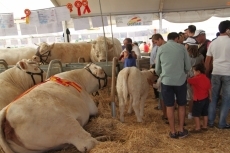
(200, 37)
(195, 58)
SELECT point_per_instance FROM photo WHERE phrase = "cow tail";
(125, 86)
(3, 144)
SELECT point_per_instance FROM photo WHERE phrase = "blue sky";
(18, 6)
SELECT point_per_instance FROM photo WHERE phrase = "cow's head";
(151, 76)
(99, 48)
(30, 70)
(43, 52)
(98, 73)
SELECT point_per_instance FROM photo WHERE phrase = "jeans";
(218, 82)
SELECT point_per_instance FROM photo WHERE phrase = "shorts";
(169, 93)
(200, 107)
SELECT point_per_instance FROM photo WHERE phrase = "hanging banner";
(134, 20)
(50, 28)
(62, 14)
(6, 20)
(27, 29)
(47, 16)
(97, 21)
(9, 31)
(34, 20)
(80, 24)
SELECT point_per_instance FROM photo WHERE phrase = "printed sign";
(134, 20)
(6, 20)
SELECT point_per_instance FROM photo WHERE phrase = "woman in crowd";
(195, 58)
(130, 57)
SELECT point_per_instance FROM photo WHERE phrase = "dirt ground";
(149, 136)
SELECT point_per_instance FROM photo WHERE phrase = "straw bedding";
(149, 136)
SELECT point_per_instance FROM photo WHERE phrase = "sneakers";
(182, 134)
(211, 125)
(227, 126)
(179, 134)
(173, 135)
(189, 116)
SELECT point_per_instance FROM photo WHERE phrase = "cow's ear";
(52, 46)
(22, 65)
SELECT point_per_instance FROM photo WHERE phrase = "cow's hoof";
(89, 144)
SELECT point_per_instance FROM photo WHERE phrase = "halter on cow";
(44, 55)
(99, 79)
(32, 74)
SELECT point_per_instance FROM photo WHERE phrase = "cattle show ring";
(75, 97)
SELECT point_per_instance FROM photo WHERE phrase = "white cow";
(13, 55)
(66, 52)
(131, 81)
(53, 113)
(18, 79)
(98, 51)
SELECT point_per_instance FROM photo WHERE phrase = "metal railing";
(56, 61)
(4, 63)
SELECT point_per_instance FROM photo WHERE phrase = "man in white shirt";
(218, 57)
(135, 48)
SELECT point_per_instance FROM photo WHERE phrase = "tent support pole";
(106, 47)
(160, 22)
(64, 31)
(111, 25)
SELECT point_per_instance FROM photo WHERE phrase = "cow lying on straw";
(18, 79)
(133, 82)
(53, 113)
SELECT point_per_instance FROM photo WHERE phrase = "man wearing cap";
(172, 65)
(218, 57)
(200, 37)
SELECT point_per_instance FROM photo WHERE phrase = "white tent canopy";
(178, 11)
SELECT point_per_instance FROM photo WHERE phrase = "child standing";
(201, 96)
